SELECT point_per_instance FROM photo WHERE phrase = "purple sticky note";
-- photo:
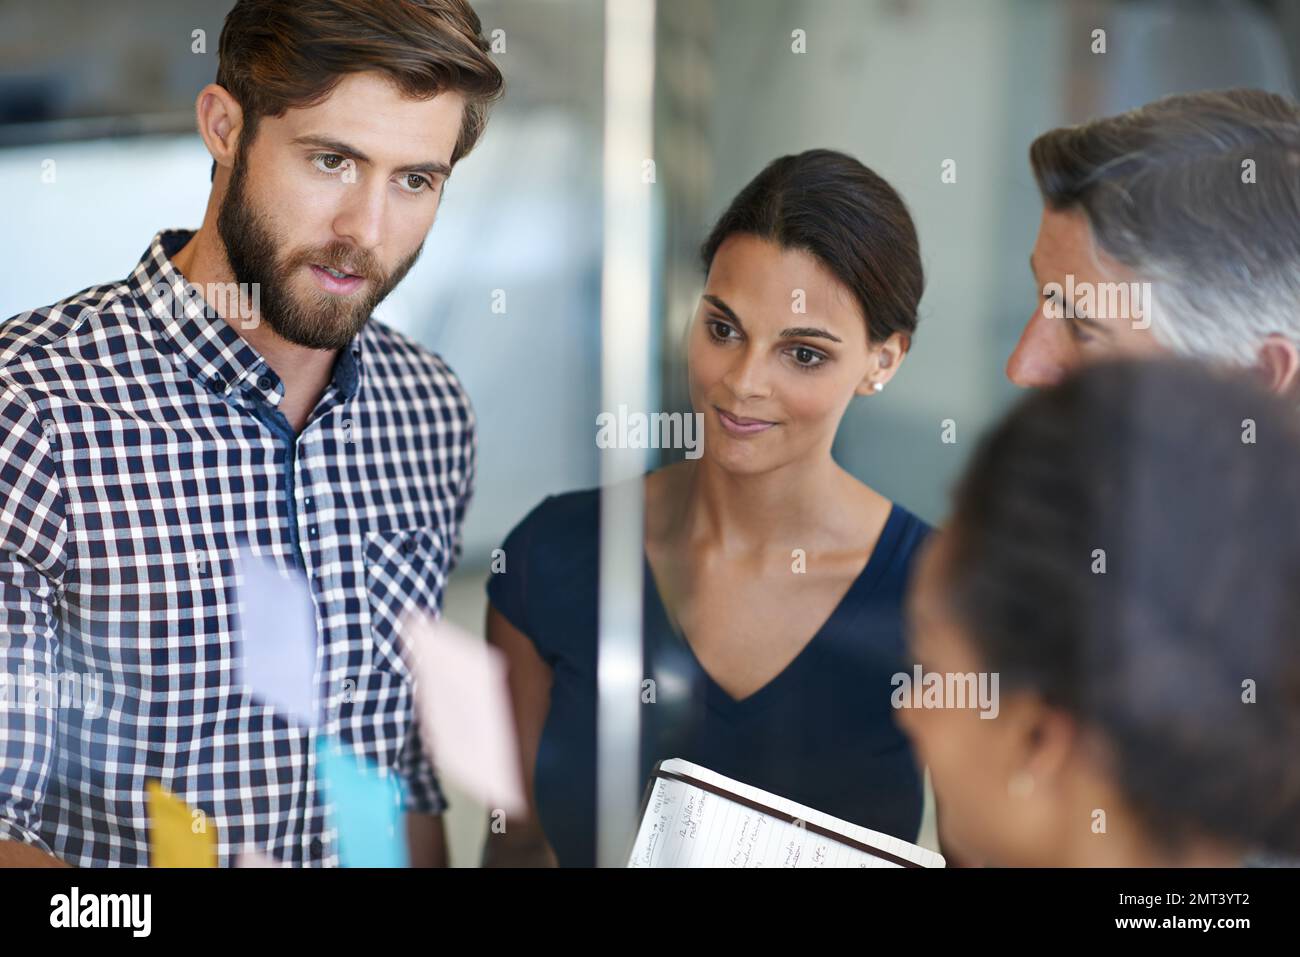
(277, 640)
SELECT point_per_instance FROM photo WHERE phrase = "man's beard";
(317, 321)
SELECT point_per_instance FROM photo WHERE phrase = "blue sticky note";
(366, 807)
(277, 624)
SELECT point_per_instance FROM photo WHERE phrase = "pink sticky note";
(254, 859)
(463, 701)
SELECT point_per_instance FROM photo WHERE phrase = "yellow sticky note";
(178, 836)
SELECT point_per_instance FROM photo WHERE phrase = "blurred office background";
(106, 92)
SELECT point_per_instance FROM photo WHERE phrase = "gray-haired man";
(1172, 227)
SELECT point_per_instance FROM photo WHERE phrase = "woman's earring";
(878, 386)
(1021, 784)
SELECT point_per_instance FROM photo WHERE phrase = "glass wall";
(941, 98)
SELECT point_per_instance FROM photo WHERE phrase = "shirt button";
(306, 501)
(316, 849)
(219, 384)
(264, 382)
(408, 546)
(313, 530)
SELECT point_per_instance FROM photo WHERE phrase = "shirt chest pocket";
(405, 572)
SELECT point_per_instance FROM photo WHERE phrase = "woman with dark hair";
(1123, 555)
(773, 578)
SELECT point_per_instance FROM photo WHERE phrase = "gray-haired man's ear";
(1278, 364)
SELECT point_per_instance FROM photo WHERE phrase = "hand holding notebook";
(694, 817)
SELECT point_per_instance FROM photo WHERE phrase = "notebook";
(694, 817)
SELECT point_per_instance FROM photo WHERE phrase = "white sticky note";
(463, 701)
(277, 640)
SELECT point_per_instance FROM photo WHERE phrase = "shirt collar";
(205, 343)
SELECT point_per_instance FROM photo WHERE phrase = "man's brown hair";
(281, 54)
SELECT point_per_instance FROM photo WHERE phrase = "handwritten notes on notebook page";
(695, 817)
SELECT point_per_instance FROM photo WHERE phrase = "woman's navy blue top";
(821, 733)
